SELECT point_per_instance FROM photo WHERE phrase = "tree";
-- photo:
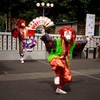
(63, 10)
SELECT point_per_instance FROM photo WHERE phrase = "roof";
(66, 23)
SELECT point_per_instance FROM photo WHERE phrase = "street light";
(44, 5)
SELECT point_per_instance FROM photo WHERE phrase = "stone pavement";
(33, 80)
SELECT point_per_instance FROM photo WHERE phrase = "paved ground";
(34, 81)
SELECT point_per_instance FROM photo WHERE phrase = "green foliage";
(2, 22)
(27, 16)
(49, 1)
(68, 10)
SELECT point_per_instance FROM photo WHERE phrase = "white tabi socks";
(57, 82)
(22, 60)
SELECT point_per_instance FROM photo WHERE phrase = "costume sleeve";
(46, 38)
(79, 46)
(49, 42)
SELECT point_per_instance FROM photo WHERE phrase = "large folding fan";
(38, 21)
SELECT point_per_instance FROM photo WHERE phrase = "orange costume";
(60, 52)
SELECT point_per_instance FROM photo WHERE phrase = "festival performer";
(60, 53)
(60, 50)
(26, 38)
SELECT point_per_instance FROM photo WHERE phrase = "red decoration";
(30, 32)
(15, 32)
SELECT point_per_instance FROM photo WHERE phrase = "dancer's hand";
(42, 29)
(61, 57)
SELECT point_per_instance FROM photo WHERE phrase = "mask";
(23, 24)
(67, 35)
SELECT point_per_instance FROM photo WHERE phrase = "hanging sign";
(90, 24)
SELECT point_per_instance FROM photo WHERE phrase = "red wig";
(19, 24)
(69, 28)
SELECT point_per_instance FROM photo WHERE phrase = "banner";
(90, 24)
